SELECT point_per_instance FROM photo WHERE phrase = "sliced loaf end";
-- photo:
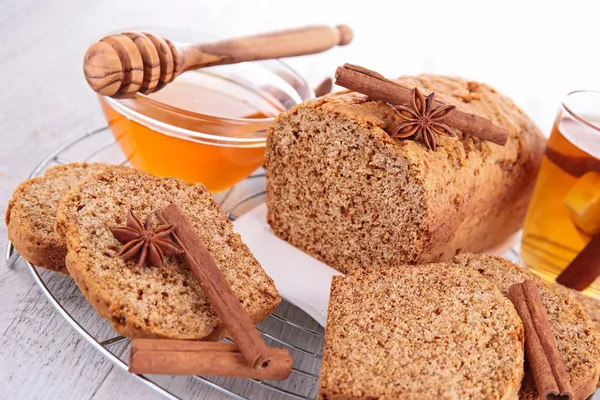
(338, 188)
(31, 213)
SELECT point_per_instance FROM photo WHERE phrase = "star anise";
(422, 120)
(144, 244)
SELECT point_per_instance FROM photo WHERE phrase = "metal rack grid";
(100, 146)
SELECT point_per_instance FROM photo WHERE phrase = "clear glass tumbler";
(561, 236)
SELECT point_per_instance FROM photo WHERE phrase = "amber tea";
(564, 214)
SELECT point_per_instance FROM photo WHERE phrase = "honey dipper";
(123, 64)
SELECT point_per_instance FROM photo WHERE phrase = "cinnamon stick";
(547, 366)
(216, 288)
(377, 87)
(183, 357)
(324, 87)
(585, 267)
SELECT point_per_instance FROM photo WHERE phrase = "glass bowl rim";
(177, 131)
(577, 116)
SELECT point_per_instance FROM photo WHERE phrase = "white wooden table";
(533, 51)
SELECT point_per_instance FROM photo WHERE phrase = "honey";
(564, 212)
(200, 128)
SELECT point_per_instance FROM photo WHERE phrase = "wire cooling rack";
(289, 327)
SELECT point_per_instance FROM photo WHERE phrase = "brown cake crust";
(145, 301)
(31, 213)
(340, 189)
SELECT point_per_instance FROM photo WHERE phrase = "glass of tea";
(208, 125)
(561, 236)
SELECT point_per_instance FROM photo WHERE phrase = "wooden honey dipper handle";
(123, 64)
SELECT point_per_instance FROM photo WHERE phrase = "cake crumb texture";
(31, 213)
(144, 301)
(590, 305)
(420, 332)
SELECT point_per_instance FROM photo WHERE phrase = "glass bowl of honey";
(208, 125)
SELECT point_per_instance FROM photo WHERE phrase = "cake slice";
(590, 305)
(576, 337)
(31, 213)
(420, 332)
(145, 301)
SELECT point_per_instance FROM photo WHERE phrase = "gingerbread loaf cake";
(342, 190)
